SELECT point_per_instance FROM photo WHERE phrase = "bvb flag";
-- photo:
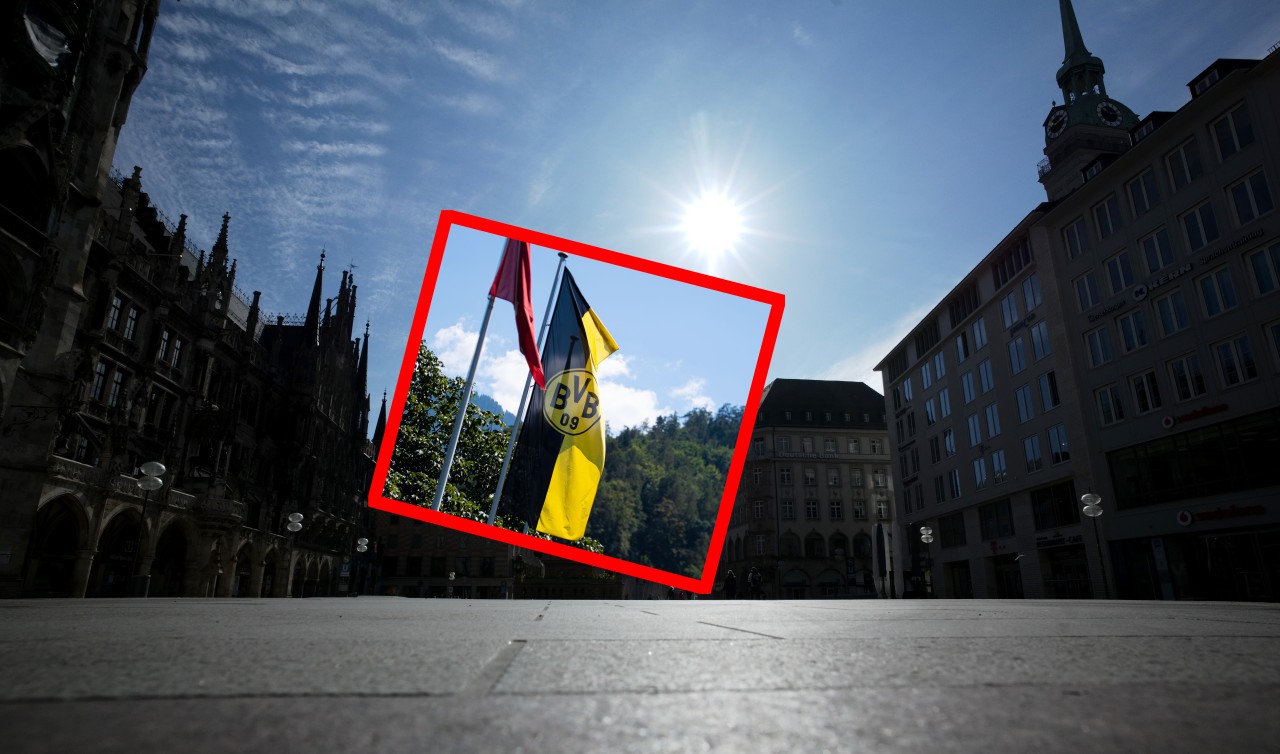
(512, 283)
(560, 451)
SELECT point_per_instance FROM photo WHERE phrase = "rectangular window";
(1266, 269)
(949, 442)
(1058, 449)
(811, 509)
(951, 530)
(962, 347)
(930, 413)
(996, 520)
(1173, 313)
(1217, 293)
(999, 471)
(1133, 330)
(1031, 291)
(177, 353)
(940, 364)
(1187, 377)
(955, 483)
(1235, 361)
(810, 478)
(966, 382)
(975, 430)
(1110, 409)
(113, 316)
(935, 449)
(833, 477)
(1026, 409)
(1049, 390)
(1184, 164)
(1233, 132)
(1087, 295)
(1099, 342)
(1119, 272)
(131, 323)
(99, 381)
(784, 475)
(1017, 355)
(1201, 226)
(993, 420)
(1076, 238)
(939, 490)
(1146, 392)
(944, 402)
(979, 333)
(788, 509)
(164, 346)
(1009, 309)
(926, 376)
(875, 444)
(1107, 216)
(761, 544)
(1143, 193)
(988, 378)
(854, 445)
(1251, 198)
(836, 510)
(979, 473)
(1156, 251)
(1040, 347)
(117, 387)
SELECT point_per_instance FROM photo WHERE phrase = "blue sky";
(877, 150)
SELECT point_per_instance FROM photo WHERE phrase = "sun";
(712, 224)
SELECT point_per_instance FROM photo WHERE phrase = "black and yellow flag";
(560, 451)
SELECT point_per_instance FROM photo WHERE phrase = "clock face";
(1109, 114)
(1057, 122)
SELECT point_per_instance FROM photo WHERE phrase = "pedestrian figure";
(755, 581)
(730, 586)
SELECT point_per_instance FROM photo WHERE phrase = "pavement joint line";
(743, 630)
(1071, 689)
(493, 670)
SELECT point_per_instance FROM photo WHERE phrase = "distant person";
(730, 586)
(755, 582)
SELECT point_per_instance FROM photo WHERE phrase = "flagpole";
(462, 407)
(524, 396)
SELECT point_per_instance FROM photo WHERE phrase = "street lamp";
(294, 526)
(148, 483)
(1092, 507)
(926, 536)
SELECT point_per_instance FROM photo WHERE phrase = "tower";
(1089, 124)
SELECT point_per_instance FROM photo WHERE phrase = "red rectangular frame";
(377, 501)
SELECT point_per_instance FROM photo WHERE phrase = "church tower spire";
(1088, 125)
(312, 323)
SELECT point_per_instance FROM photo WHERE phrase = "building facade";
(1123, 340)
(123, 345)
(814, 509)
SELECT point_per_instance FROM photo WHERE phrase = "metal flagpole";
(524, 397)
(462, 405)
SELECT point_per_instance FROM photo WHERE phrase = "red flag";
(512, 283)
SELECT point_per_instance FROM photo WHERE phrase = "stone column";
(80, 573)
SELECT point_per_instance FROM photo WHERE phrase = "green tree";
(425, 427)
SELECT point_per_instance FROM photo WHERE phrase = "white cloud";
(693, 395)
(860, 366)
(477, 63)
(626, 406)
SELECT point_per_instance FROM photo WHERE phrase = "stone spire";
(312, 323)
(1082, 71)
(218, 257)
(381, 427)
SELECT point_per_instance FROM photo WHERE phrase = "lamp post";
(294, 526)
(1092, 507)
(926, 536)
(362, 546)
(140, 584)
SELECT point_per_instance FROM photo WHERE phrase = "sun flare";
(712, 224)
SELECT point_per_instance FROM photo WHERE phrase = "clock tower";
(1088, 123)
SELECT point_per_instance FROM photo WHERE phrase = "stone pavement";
(390, 674)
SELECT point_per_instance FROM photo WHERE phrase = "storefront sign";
(1141, 291)
(1186, 518)
(1058, 541)
(1241, 241)
(1169, 421)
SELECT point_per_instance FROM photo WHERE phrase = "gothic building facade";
(122, 347)
(1123, 341)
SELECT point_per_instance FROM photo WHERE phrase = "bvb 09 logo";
(571, 404)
